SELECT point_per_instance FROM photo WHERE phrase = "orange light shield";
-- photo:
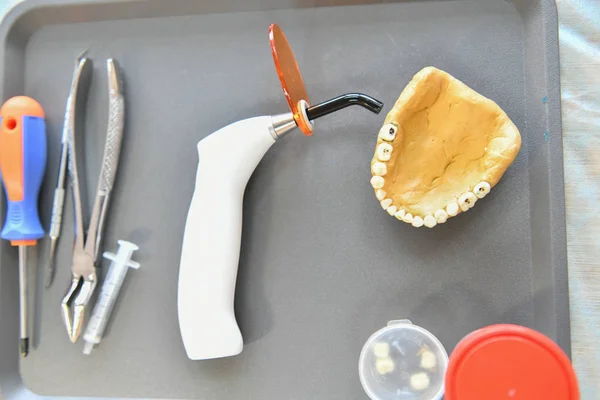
(289, 75)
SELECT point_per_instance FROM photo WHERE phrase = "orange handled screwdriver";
(22, 164)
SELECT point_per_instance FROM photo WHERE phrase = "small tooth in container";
(428, 360)
(384, 365)
(419, 381)
(381, 349)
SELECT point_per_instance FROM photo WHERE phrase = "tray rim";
(9, 25)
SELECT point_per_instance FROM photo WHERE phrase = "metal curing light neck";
(285, 123)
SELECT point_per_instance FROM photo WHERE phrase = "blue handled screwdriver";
(22, 164)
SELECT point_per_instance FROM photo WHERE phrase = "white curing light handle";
(211, 242)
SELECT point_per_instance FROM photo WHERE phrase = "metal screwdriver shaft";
(23, 296)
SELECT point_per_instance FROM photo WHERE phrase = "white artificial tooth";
(384, 151)
(400, 214)
(388, 132)
(452, 209)
(417, 222)
(381, 350)
(392, 210)
(466, 201)
(379, 169)
(441, 216)
(385, 204)
(482, 189)
(408, 218)
(429, 221)
(380, 194)
(428, 360)
(419, 381)
(377, 182)
(384, 366)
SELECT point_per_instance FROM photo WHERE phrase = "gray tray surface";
(322, 265)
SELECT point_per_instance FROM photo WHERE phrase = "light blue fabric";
(580, 75)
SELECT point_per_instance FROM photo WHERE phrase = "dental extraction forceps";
(86, 246)
(79, 89)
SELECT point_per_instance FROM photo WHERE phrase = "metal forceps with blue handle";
(86, 246)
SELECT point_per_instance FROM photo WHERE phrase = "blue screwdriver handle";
(22, 164)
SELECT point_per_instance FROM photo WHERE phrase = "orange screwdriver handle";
(22, 164)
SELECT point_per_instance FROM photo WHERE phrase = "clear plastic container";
(403, 362)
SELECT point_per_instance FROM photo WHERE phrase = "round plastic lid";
(509, 362)
(403, 362)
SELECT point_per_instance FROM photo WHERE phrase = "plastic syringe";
(121, 262)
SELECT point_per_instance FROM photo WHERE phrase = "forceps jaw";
(65, 305)
(77, 298)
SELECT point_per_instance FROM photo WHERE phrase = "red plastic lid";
(509, 362)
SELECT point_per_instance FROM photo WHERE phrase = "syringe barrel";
(115, 277)
(106, 300)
